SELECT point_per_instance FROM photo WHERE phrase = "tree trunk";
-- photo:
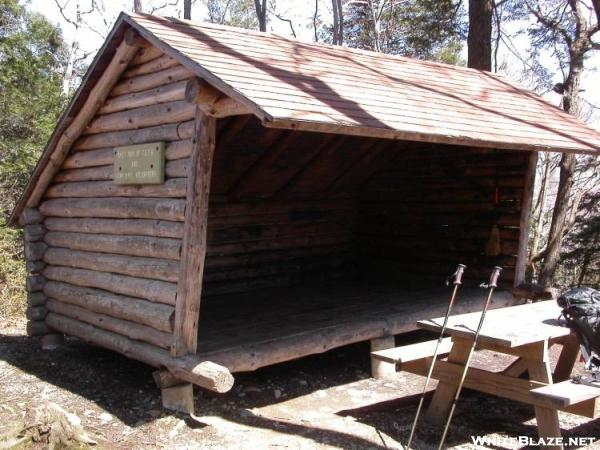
(338, 22)
(479, 41)
(559, 218)
(539, 216)
(137, 6)
(261, 14)
(187, 9)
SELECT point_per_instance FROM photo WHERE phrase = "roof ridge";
(336, 48)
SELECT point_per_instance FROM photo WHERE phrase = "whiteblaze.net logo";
(500, 441)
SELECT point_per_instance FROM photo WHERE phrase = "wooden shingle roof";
(293, 84)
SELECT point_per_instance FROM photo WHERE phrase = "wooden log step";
(124, 327)
(151, 80)
(146, 53)
(154, 315)
(189, 368)
(136, 227)
(170, 132)
(135, 266)
(142, 117)
(152, 290)
(412, 352)
(172, 188)
(155, 65)
(173, 169)
(105, 156)
(152, 247)
(118, 208)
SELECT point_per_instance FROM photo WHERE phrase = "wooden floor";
(247, 331)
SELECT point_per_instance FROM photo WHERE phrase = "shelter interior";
(319, 239)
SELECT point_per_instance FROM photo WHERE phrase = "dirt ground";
(321, 402)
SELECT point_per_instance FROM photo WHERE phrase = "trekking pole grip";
(494, 277)
(460, 270)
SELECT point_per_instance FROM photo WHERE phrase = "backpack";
(581, 310)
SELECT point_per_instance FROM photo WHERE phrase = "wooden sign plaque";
(140, 164)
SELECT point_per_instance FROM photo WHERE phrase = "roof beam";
(211, 101)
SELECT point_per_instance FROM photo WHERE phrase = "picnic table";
(525, 331)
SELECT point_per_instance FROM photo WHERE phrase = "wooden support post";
(189, 287)
(526, 201)
(567, 359)
(179, 398)
(381, 369)
(547, 418)
(176, 395)
(440, 405)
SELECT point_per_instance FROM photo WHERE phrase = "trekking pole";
(457, 280)
(491, 285)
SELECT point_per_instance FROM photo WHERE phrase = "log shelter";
(313, 197)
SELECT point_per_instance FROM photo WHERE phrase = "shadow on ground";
(125, 389)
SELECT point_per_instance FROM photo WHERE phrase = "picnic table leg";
(440, 405)
(567, 359)
(539, 370)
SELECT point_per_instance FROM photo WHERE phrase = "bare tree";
(137, 6)
(261, 14)
(479, 41)
(187, 9)
(338, 22)
(571, 27)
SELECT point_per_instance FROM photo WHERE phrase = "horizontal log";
(173, 169)
(165, 379)
(36, 313)
(172, 188)
(154, 268)
(35, 283)
(118, 208)
(154, 65)
(146, 53)
(124, 327)
(37, 328)
(142, 117)
(162, 94)
(31, 216)
(154, 315)
(35, 267)
(170, 132)
(139, 227)
(105, 156)
(34, 250)
(113, 243)
(34, 232)
(152, 290)
(36, 298)
(151, 80)
(189, 368)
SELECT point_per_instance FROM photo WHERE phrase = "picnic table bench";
(525, 331)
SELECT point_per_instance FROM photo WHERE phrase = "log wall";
(428, 211)
(108, 255)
